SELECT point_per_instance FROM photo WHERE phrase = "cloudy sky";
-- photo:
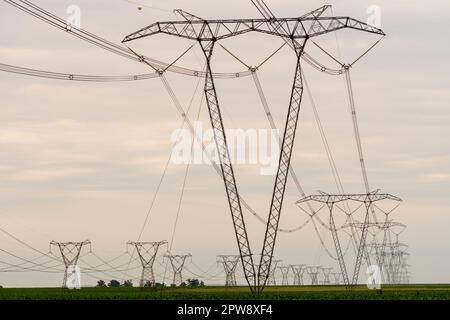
(83, 160)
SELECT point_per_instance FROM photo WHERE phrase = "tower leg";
(282, 173)
(227, 170)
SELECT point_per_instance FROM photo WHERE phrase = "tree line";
(190, 283)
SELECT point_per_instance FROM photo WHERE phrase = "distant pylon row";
(147, 252)
(230, 263)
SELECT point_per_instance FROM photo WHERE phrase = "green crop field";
(405, 292)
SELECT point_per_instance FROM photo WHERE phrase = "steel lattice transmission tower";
(147, 254)
(298, 270)
(229, 263)
(285, 275)
(296, 31)
(271, 281)
(336, 277)
(379, 247)
(177, 262)
(313, 272)
(70, 253)
(366, 202)
(326, 275)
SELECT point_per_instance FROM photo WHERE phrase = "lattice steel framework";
(296, 31)
(298, 270)
(394, 259)
(377, 247)
(326, 275)
(271, 281)
(229, 263)
(70, 253)
(177, 262)
(313, 272)
(285, 275)
(367, 201)
(336, 277)
(147, 252)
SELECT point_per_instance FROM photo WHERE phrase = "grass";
(405, 292)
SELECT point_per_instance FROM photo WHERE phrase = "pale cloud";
(437, 177)
(423, 162)
(49, 174)
(96, 151)
(15, 137)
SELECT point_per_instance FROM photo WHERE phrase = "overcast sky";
(83, 160)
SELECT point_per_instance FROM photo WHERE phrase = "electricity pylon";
(392, 257)
(403, 272)
(336, 277)
(326, 275)
(313, 272)
(366, 201)
(297, 270)
(70, 253)
(378, 247)
(272, 279)
(285, 275)
(229, 263)
(147, 254)
(296, 31)
(177, 262)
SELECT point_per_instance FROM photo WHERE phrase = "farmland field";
(404, 292)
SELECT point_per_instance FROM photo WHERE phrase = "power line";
(141, 4)
(55, 21)
(73, 77)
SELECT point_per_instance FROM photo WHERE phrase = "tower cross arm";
(295, 28)
(316, 26)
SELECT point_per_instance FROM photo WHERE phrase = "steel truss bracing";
(326, 275)
(376, 247)
(313, 272)
(70, 253)
(147, 254)
(296, 31)
(285, 275)
(298, 270)
(367, 200)
(272, 279)
(227, 168)
(336, 277)
(291, 28)
(229, 263)
(282, 172)
(177, 262)
(394, 261)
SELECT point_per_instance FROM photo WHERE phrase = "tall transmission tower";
(298, 270)
(336, 277)
(177, 262)
(229, 263)
(285, 275)
(296, 31)
(313, 272)
(147, 254)
(378, 247)
(366, 202)
(70, 253)
(326, 275)
(403, 272)
(272, 279)
(393, 259)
